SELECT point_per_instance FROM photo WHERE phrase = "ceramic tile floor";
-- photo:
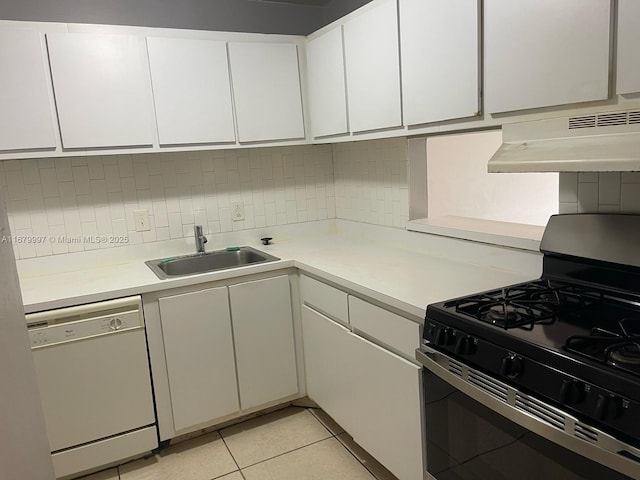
(294, 443)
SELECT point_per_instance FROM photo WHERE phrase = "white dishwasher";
(93, 373)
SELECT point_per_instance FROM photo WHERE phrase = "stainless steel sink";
(166, 268)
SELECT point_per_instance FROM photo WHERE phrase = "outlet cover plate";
(237, 211)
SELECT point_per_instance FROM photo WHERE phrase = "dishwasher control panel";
(45, 333)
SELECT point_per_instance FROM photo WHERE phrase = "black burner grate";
(523, 306)
(619, 348)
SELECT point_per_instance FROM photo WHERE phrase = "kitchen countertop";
(405, 270)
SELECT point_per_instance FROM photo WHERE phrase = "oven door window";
(468, 441)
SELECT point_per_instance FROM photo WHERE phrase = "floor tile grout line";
(285, 453)
(230, 453)
(310, 409)
(336, 435)
(356, 457)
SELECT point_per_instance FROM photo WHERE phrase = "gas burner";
(525, 305)
(619, 348)
(547, 296)
(626, 354)
(502, 314)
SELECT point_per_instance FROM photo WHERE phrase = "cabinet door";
(440, 56)
(628, 61)
(373, 68)
(191, 90)
(266, 91)
(101, 85)
(264, 342)
(327, 88)
(539, 53)
(385, 392)
(26, 120)
(196, 330)
(327, 366)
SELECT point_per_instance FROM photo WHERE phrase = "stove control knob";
(608, 407)
(512, 366)
(465, 345)
(442, 336)
(571, 392)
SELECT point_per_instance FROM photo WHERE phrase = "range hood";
(598, 142)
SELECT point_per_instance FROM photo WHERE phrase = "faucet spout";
(199, 238)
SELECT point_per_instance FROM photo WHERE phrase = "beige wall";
(458, 183)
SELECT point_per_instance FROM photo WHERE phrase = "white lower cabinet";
(221, 352)
(326, 360)
(385, 396)
(264, 341)
(372, 393)
(198, 346)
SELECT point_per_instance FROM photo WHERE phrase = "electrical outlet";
(237, 211)
(141, 220)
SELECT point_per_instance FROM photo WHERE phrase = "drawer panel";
(324, 298)
(393, 330)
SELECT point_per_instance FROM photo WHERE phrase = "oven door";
(478, 428)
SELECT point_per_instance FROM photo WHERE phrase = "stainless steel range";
(542, 379)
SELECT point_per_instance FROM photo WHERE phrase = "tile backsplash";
(371, 181)
(592, 192)
(82, 203)
(60, 205)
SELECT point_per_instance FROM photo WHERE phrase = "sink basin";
(207, 262)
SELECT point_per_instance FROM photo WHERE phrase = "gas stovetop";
(561, 317)
(571, 337)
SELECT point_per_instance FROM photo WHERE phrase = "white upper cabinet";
(327, 89)
(539, 53)
(101, 85)
(266, 91)
(373, 67)
(26, 118)
(628, 77)
(440, 60)
(191, 91)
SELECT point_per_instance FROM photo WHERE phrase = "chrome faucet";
(200, 238)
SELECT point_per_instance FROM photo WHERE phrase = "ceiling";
(313, 3)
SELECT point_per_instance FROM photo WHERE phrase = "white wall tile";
(72, 197)
(35, 198)
(81, 180)
(609, 189)
(96, 168)
(588, 177)
(630, 198)
(568, 184)
(99, 192)
(68, 195)
(368, 176)
(587, 197)
(605, 192)
(141, 175)
(30, 171)
(49, 182)
(63, 169)
(112, 178)
(15, 185)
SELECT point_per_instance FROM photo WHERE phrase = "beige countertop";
(405, 270)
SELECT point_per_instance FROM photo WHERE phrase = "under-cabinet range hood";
(597, 142)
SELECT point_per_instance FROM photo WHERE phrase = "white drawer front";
(393, 330)
(325, 299)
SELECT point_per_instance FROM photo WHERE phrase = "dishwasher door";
(93, 372)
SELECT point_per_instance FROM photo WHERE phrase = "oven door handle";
(501, 398)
